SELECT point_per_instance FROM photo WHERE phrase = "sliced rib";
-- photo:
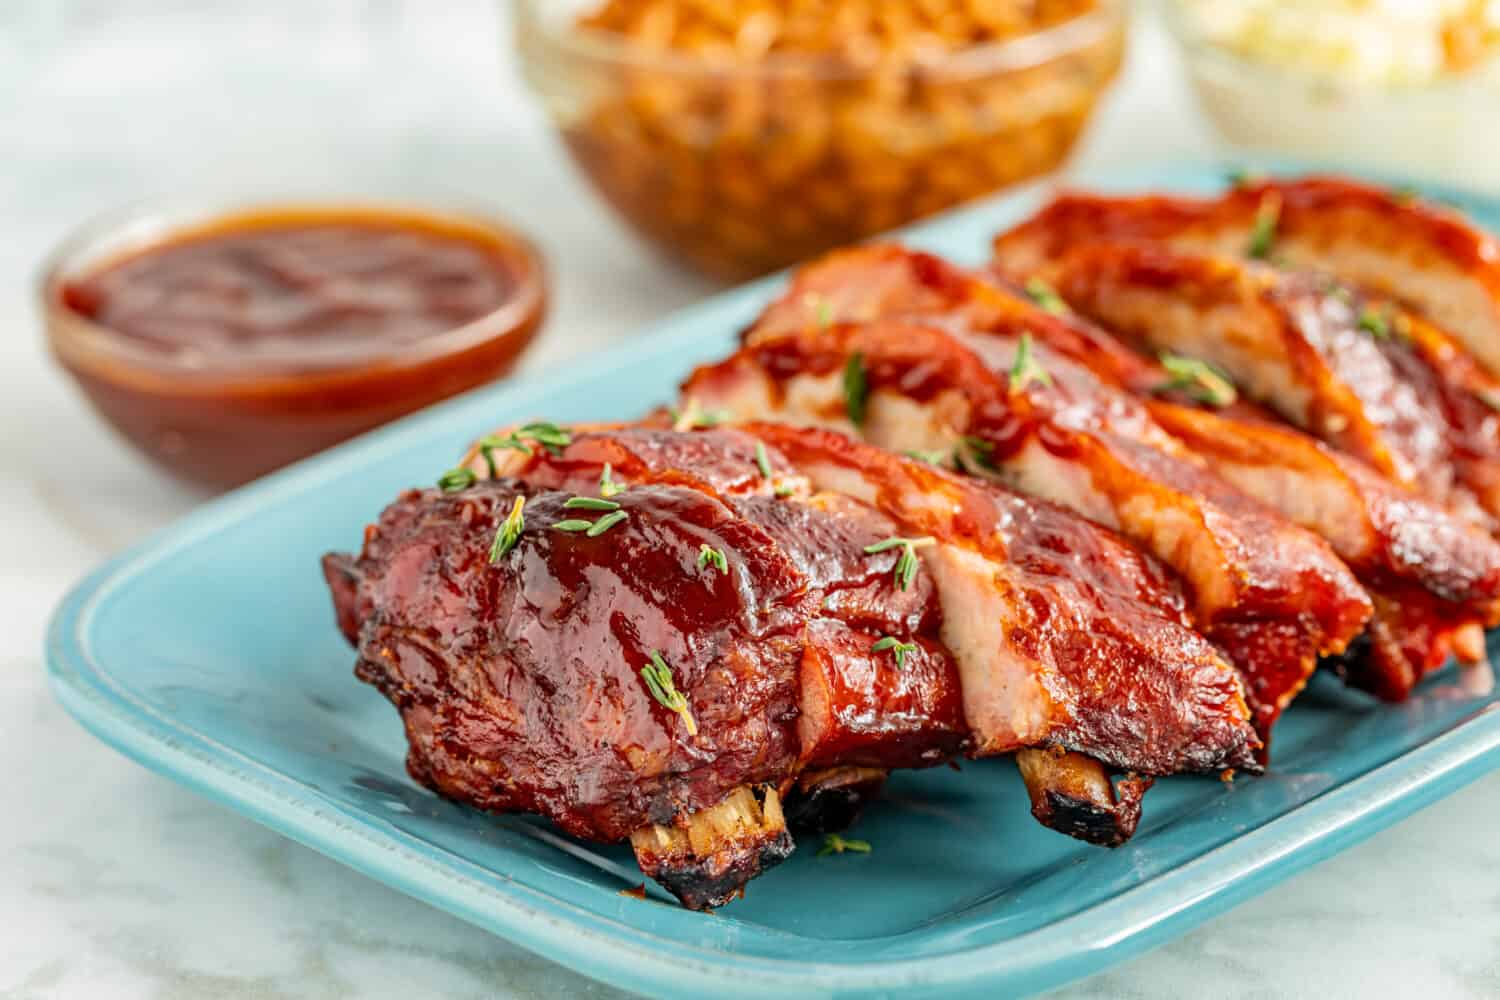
(1312, 350)
(1271, 593)
(1376, 380)
(1398, 245)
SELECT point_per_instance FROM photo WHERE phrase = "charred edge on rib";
(831, 800)
(1073, 794)
(707, 860)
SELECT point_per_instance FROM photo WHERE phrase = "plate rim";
(1078, 945)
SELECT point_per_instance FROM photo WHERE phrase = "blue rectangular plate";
(209, 654)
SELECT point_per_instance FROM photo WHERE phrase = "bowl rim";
(145, 224)
(1023, 52)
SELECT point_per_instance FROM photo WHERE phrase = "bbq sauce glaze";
(229, 350)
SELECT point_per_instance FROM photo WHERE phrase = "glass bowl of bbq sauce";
(225, 341)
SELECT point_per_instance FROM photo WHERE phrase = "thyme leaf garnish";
(606, 522)
(1046, 297)
(1025, 369)
(898, 648)
(607, 485)
(856, 388)
(710, 556)
(1198, 379)
(658, 678)
(490, 443)
(834, 844)
(593, 529)
(590, 503)
(981, 451)
(548, 435)
(908, 563)
(509, 531)
(1374, 322)
(762, 460)
(691, 416)
(1263, 231)
(456, 479)
(930, 457)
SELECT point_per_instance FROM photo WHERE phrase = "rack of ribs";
(800, 651)
(1104, 506)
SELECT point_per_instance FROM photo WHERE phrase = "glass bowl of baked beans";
(741, 136)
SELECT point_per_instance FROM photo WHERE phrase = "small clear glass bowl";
(1446, 131)
(218, 421)
(741, 167)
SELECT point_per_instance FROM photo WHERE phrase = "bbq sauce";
(231, 349)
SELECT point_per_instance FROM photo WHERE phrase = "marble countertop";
(115, 882)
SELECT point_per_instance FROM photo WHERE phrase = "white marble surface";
(114, 882)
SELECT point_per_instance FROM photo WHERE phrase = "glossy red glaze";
(1127, 680)
(520, 682)
(1264, 569)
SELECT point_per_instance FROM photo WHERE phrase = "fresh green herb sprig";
(898, 649)
(607, 485)
(1026, 369)
(710, 556)
(1198, 379)
(856, 389)
(658, 678)
(835, 844)
(1263, 230)
(762, 460)
(930, 457)
(1046, 297)
(982, 451)
(548, 435)
(692, 417)
(590, 503)
(1375, 322)
(591, 529)
(491, 443)
(509, 531)
(605, 523)
(908, 563)
(456, 479)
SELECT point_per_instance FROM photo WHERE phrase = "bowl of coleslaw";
(1407, 85)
